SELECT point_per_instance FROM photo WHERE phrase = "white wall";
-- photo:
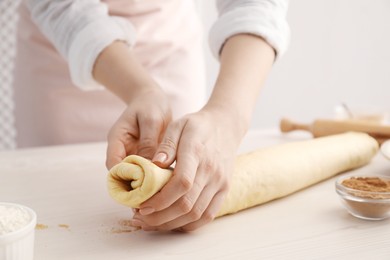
(339, 52)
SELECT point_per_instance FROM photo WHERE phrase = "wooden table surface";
(66, 186)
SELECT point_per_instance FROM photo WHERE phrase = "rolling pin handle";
(287, 125)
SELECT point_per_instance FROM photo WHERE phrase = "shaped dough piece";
(259, 176)
(135, 180)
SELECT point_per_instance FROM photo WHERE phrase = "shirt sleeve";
(80, 30)
(264, 18)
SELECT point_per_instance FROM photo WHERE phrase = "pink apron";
(50, 110)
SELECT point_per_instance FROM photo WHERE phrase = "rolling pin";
(324, 127)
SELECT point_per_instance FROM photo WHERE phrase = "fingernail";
(136, 223)
(146, 211)
(160, 157)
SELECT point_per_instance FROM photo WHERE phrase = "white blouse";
(80, 30)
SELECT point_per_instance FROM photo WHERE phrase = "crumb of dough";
(125, 227)
(63, 226)
(41, 226)
(119, 231)
(125, 223)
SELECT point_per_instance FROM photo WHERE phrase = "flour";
(13, 218)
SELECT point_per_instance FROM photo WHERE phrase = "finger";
(120, 143)
(214, 186)
(120, 140)
(181, 207)
(208, 215)
(150, 129)
(116, 152)
(195, 213)
(180, 183)
(166, 151)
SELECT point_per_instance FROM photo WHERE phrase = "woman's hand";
(140, 127)
(148, 112)
(204, 145)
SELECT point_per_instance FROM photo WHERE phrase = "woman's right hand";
(140, 127)
(142, 124)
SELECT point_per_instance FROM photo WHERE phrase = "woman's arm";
(148, 112)
(263, 18)
(80, 30)
(204, 144)
(119, 71)
(245, 38)
(245, 64)
(97, 48)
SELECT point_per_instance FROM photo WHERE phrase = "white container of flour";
(17, 228)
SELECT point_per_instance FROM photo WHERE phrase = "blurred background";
(339, 53)
(8, 20)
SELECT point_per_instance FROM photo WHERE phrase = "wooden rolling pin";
(324, 127)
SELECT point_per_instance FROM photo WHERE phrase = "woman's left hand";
(204, 146)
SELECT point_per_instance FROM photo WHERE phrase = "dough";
(259, 176)
(135, 180)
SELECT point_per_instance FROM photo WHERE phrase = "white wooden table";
(66, 186)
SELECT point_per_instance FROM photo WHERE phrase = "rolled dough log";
(259, 176)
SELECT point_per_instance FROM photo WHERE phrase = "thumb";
(150, 130)
(166, 151)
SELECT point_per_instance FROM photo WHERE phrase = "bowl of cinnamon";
(365, 197)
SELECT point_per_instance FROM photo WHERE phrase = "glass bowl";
(360, 201)
(385, 149)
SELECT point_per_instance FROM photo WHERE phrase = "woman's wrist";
(229, 116)
(118, 70)
(245, 63)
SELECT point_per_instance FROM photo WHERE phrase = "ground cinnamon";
(373, 192)
(377, 187)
